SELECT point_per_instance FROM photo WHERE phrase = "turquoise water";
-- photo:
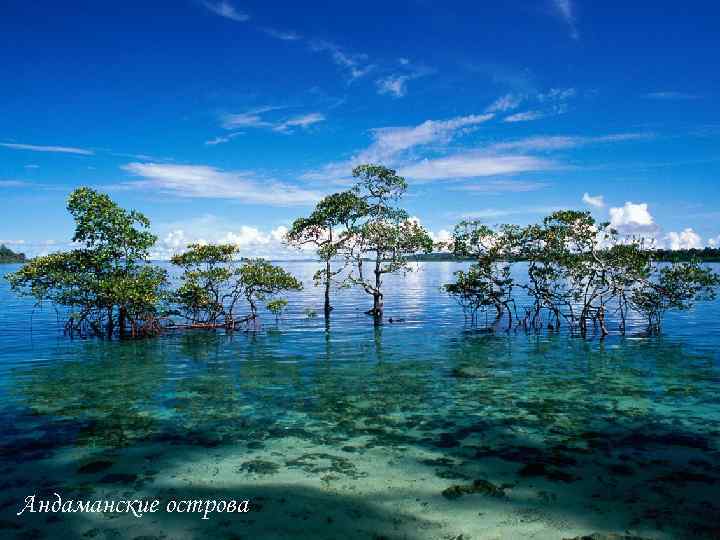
(423, 428)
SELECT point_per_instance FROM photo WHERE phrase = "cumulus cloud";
(227, 10)
(686, 239)
(56, 149)
(634, 219)
(598, 201)
(251, 241)
(202, 181)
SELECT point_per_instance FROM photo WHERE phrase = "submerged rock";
(532, 470)
(610, 536)
(479, 486)
(95, 467)
(258, 466)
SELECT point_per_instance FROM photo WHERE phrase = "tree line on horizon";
(578, 269)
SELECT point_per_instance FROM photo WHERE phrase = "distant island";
(681, 255)
(7, 255)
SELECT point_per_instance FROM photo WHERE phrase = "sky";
(224, 120)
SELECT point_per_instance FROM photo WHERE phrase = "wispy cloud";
(598, 201)
(506, 103)
(524, 116)
(566, 10)
(503, 186)
(203, 181)
(13, 183)
(671, 96)
(390, 143)
(356, 65)
(561, 142)
(472, 165)
(222, 139)
(256, 118)
(58, 149)
(284, 35)
(227, 10)
(304, 121)
(395, 84)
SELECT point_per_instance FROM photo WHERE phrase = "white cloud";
(391, 142)
(471, 165)
(633, 219)
(13, 183)
(254, 119)
(303, 121)
(566, 10)
(227, 10)
(561, 142)
(505, 103)
(557, 99)
(285, 35)
(223, 138)
(503, 186)
(524, 116)
(598, 201)
(395, 85)
(202, 181)
(58, 149)
(356, 64)
(714, 242)
(671, 96)
(251, 118)
(686, 239)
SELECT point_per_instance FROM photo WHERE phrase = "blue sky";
(225, 120)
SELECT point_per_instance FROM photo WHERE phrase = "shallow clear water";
(422, 428)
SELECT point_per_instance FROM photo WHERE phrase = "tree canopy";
(107, 281)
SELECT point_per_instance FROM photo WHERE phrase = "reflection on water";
(424, 429)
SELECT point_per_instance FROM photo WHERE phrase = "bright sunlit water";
(422, 428)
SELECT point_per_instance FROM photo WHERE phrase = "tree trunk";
(328, 307)
(378, 306)
(110, 327)
(122, 321)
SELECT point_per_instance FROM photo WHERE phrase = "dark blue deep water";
(423, 428)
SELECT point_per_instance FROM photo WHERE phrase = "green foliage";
(577, 269)
(207, 294)
(7, 255)
(339, 210)
(675, 286)
(260, 280)
(107, 282)
(213, 283)
(384, 232)
(276, 307)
